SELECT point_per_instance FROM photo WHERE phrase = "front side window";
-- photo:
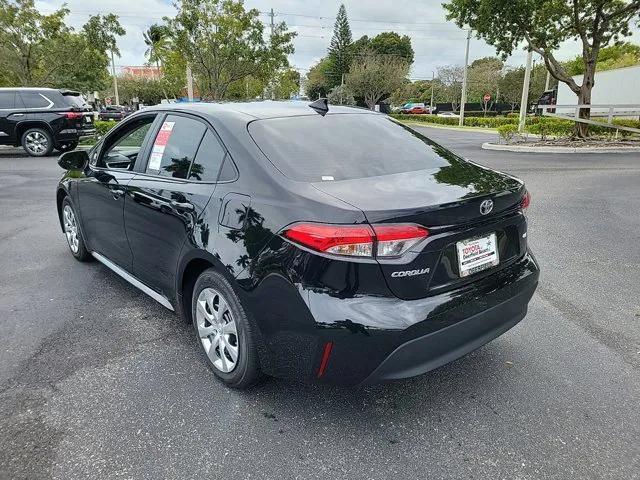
(175, 147)
(121, 152)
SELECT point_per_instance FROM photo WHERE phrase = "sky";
(436, 42)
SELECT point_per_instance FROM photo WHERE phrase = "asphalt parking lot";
(99, 381)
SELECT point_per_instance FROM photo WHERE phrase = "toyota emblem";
(486, 206)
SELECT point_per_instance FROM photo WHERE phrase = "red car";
(414, 108)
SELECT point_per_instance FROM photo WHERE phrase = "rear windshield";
(74, 99)
(342, 146)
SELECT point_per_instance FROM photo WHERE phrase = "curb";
(532, 149)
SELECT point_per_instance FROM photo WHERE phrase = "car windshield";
(342, 146)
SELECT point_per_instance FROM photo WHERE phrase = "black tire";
(37, 142)
(67, 146)
(247, 369)
(80, 253)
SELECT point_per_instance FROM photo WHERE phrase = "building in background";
(141, 71)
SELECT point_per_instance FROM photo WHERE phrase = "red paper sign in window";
(163, 135)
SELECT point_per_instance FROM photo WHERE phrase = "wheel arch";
(27, 124)
(61, 193)
(190, 268)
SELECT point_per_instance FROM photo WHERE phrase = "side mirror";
(74, 160)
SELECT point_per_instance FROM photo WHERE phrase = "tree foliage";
(615, 56)
(341, 95)
(386, 43)
(157, 39)
(451, 78)
(544, 24)
(374, 77)
(41, 50)
(483, 78)
(225, 43)
(319, 79)
(340, 47)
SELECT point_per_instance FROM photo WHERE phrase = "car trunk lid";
(446, 200)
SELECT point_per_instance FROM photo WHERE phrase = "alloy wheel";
(70, 228)
(217, 330)
(36, 142)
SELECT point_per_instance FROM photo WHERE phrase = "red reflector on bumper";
(326, 353)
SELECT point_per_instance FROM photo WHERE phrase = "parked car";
(247, 220)
(414, 108)
(41, 119)
(449, 114)
(113, 112)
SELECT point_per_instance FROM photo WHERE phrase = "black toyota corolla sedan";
(310, 242)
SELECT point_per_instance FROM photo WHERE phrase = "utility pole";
(189, 83)
(115, 79)
(433, 78)
(273, 90)
(463, 100)
(524, 100)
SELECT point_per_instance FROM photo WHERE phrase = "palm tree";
(156, 39)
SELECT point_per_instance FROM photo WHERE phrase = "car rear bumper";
(74, 134)
(433, 350)
(375, 339)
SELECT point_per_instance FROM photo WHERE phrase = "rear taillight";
(394, 240)
(526, 200)
(73, 115)
(385, 241)
(351, 240)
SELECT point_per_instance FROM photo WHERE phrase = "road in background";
(99, 381)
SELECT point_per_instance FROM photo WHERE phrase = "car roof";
(256, 110)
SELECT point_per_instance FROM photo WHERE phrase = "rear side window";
(7, 99)
(342, 146)
(206, 166)
(35, 100)
(175, 146)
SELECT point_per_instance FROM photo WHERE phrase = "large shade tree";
(224, 43)
(374, 77)
(543, 24)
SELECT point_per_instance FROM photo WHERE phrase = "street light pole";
(524, 100)
(433, 77)
(463, 100)
(115, 79)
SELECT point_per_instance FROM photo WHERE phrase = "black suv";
(41, 119)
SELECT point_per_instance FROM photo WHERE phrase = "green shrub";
(507, 132)
(102, 127)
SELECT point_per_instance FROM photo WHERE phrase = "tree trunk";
(581, 130)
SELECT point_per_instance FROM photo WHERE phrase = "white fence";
(572, 112)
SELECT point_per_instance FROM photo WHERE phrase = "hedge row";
(485, 122)
(544, 126)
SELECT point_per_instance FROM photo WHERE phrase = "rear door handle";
(184, 206)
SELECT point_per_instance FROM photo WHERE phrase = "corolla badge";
(409, 273)
(486, 206)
